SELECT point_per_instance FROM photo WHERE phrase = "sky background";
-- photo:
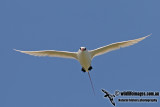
(66, 25)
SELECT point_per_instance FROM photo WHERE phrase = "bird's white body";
(84, 57)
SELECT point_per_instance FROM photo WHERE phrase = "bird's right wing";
(51, 53)
(114, 46)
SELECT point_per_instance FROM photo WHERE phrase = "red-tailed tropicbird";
(83, 55)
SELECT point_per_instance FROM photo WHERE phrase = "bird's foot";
(83, 69)
(90, 68)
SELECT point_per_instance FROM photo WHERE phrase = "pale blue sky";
(28, 81)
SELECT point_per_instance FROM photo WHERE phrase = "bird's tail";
(91, 83)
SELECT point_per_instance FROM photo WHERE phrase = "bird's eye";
(79, 48)
(84, 48)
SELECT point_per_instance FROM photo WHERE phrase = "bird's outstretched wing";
(114, 46)
(51, 53)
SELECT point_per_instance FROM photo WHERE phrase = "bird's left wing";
(51, 53)
(114, 46)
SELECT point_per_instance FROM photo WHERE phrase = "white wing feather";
(51, 53)
(114, 46)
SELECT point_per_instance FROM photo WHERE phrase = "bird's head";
(83, 48)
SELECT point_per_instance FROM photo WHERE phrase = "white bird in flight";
(83, 55)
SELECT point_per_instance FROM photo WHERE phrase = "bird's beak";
(82, 49)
